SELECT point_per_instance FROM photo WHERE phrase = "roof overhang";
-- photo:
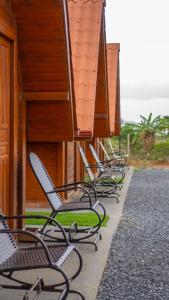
(101, 118)
(85, 19)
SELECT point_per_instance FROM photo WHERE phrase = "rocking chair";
(105, 184)
(82, 204)
(14, 259)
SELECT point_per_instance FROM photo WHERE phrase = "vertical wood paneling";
(70, 162)
(78, 166)
(4, 124)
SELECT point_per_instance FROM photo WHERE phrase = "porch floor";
(93, 262)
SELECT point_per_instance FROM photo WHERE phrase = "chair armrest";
(121, 151)
(71, 188)
(112, 163)
(106, 169)
(70, 184)
(77, 183)
(21, 231)
(115, 161)
(91, 166)
(51, 220)
(108, 161)
(119, 154)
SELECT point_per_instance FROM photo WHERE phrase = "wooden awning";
(46, 69)
(85, 19)
(114, 87)
(101, 117)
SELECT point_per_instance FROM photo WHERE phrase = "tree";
(164, 125)
(126, 129)
(146, 130)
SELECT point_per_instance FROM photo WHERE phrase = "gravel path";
(138, 264)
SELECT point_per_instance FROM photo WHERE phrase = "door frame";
(8, 32)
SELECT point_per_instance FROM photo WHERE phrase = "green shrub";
(160, 152)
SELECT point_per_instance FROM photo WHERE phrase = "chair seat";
(76, 205)
(35, 257)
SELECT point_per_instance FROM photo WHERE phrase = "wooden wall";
(8, 111)
(63, 163)
(53, 157)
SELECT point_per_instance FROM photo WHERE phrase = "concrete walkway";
(93, 262)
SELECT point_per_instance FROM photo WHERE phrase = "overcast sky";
(142, 28)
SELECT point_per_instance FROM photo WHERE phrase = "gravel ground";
(138, 264)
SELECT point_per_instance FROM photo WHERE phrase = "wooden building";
(54, 92)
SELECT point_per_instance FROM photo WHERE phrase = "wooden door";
(4, 125)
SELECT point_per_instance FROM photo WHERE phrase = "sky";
(142, 29)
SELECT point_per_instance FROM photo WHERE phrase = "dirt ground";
(148, 164)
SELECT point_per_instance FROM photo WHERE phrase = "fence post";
(128, 145)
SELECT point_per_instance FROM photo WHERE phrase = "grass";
(66, 219)
(118, 179)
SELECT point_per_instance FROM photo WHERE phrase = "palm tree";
(146, 130)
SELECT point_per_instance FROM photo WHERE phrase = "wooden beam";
(83, 134)
(46, 96)
(101, 116)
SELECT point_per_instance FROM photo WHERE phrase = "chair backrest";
(86, 163)
(96, 157)
(7, 242)
(104, 150)
(113, 152)
(111, 146)
(45, 181)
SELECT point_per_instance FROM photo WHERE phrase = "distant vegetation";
(148, 139)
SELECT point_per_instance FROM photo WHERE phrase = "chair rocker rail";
(86, 230)
(36, 287)
(44, 288)
(108, 194)
(48, 237)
